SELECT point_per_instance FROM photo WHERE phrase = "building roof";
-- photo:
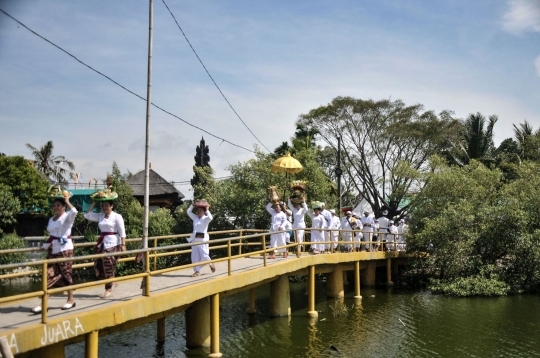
(157, 185)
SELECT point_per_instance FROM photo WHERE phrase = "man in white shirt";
(402, 229)
(392, 236)
(384, 224)
(335, 225)
(348, 223)
(328, 222)
(367, 227)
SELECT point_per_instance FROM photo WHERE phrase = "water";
(396, 322)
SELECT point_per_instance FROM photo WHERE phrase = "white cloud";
(537, 65)
(523, 15)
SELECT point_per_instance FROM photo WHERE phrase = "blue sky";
(273, 60)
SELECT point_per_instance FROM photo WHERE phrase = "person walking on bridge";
(112, 238)
(327, 224)
(299, 212)
(348, 223)
(318, 222)
(59, 245)
(278, 224)
(335, 226)
(200, 252)
(367, 227)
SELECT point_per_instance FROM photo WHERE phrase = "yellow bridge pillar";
(357, 280)
(280, 298)
(389, 273)
(53, 351)
(311, 292)
(251, 308)
(368, 275)
(91, 344)
(198, 324)
(334, 285)
(214, 326)
(160, 330)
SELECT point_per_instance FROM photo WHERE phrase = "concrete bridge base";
(198, 324)
(280, 297)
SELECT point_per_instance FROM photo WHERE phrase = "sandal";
(68, 306)
(106, 294)
(285, 255)
(195, 274)
(37, 310)
(213, 268)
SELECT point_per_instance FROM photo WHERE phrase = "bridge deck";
(171, 293)
(18, 315)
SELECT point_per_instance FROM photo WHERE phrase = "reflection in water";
(388, 322)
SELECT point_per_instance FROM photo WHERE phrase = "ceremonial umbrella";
(286, 164)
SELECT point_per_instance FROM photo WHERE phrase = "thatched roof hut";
(162, 193)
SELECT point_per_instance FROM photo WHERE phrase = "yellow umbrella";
(286, 164)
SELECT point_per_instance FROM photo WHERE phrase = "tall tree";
(475, 141)
(56, 167)
(202, 160)
(385, 144)
(528, 141)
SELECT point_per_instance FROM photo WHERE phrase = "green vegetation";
(55, 167)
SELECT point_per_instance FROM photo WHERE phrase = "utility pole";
(147, 147)
(338, 172)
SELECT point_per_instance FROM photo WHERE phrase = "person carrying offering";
(59, 245)
(317, 222)
(201, 220)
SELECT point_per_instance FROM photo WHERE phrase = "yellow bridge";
(168, 291)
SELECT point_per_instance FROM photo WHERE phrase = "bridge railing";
(254, 240)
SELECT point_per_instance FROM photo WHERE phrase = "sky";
(273, 61)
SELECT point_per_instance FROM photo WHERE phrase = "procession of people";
(287, 229)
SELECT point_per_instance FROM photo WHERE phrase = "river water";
(389, 322)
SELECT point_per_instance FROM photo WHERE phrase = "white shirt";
(61, 227)
(318, 221)
(298, 214)
(328, 217)
(393, 230)
(402, 229)
(335, 223)
(367, 219)
(199, 224)
(348, 223)
(114, 223)
(384, 222)
(278, 219)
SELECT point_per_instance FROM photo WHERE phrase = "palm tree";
(528, 141)
(476, 141)
(54, 167)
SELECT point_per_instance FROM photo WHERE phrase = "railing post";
(45, 298)
(147, 278)
(155, 255)
(240, 243)
(229, 256)
(264, 249)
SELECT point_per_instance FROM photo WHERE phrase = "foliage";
(475, 141)
(12, 241)
(481, 232)
(377, 137)
(25, 183)
(56, 167)
(9, 208)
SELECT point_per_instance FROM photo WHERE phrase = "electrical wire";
(208, 73)
(118, 84)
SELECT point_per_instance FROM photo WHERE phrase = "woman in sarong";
(112, 238)
(59, 245)
(201, 252)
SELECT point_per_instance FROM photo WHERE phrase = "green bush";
(9, 208)
(470, 286)
(12, 241)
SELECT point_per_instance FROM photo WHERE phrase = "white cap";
(348, 213)
(354, 214)
(323, 204)
(332, 211)
(366, 212)
(391, 221)
(402, 220)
